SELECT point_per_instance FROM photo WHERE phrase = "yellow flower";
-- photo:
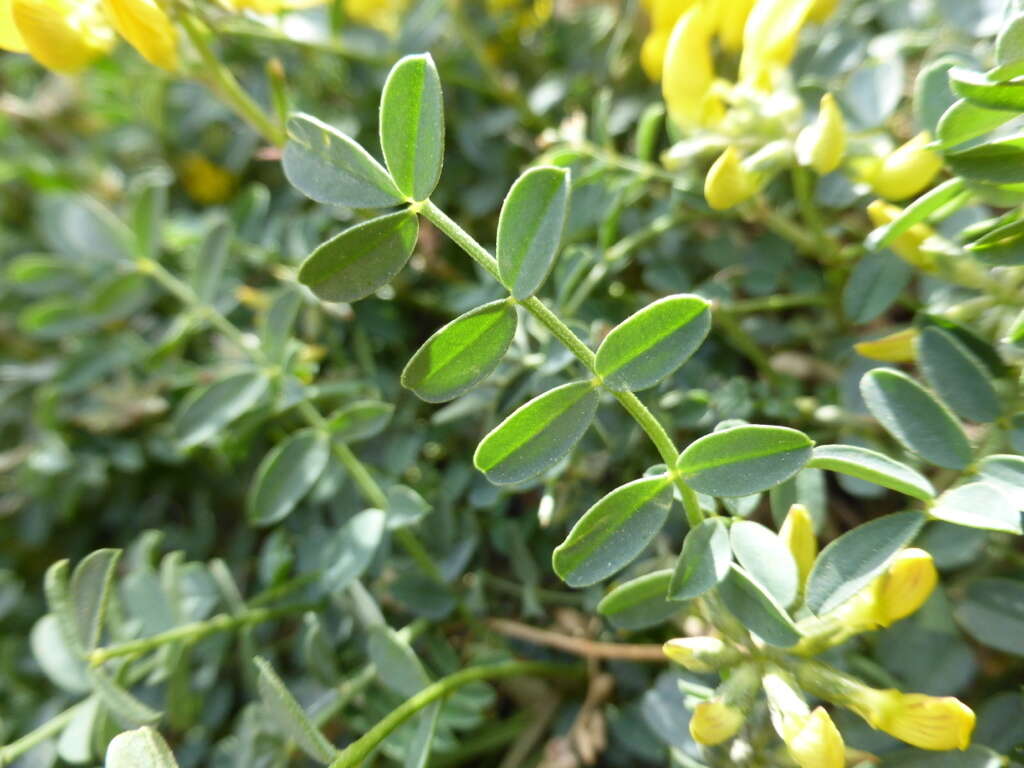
(728, 183)
(908, 245)
(905, 171)
(906, 585)
(926, 722)
(379, 14)
(732, 18)
(204, 181)
(273, 6)
(10, 37)
(814, 741)
(688, 72)
(797, 532)
(652, 53)
(700, 654)
(895, 348)
(62, 35)
(665, 13)
(144, 24)
(822, 9)
(714, 721)
(822, 144)
(769, 39)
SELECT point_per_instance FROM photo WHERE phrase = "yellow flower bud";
(895, 348)
(714, 721)
(700, 654)
(926, 722)
(10, 37)
(797, 532)
(728, 183)
(204, 181)
(907, 170)
(732, 18)
(769, 39)
(821, 10)
(814, 741)
(905, 586)
(665, 13)
(688, 72)
(144, 24)
(62, 35)
(822, 144)
(652, 54)
(908, 245)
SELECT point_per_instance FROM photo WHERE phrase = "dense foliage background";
(160, 362)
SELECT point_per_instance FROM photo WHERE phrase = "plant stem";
(578, 646)
(354, 754)
(196, 631)
(34, 738)
(774, 303)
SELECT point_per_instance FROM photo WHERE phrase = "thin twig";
(578, 646)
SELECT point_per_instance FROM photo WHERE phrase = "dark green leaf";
(613, 532)
(284, 710)
(363, 258)
(211, 258)
(654, 342)
(412, 125)
(359, 420)
(461, 354)
(874, 467)
(992, 612)
(530, 228)
(209, 410)
(396, 663)
(875, 283)
(286, 475)
(350, 549)
(957, 375)
(757, 609)
(766, 560)
(640, 602)
(704, 562)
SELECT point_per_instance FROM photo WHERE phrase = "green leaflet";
(461, 354)
(90, 587)
(977, 88)
(286, 475)
(359, 420)
(140, 747)
(979, 504)
(757, 609)
(203, 415)
(959, 378)
(848, 563)
(874, 467)
(743, 460)
(530, 228)
(704, 561)
(329, 167)
(613, 532)
(640, 603)
(538, 434)
(766, 559)
(412, 125)
(915, 418)
(289, 715)
(363, 258)
(993, 613)
(965, 120)
(654, 342)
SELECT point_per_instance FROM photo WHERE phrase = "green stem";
(34, 738)
(191, 633)
(776, 303)
(354, 754)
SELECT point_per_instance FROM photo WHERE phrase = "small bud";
(700, 654)
(814, 741)
(822, 144)
(797, 532)
(688, 72)
(908, 245)
(714, 721)
(895, 348)
(144, 24)
(906, 585)
(907, 170)
(728, 183)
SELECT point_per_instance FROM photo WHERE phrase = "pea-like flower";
(905, 586)
(822, 144)
(715, 721)
(905, 171)
(797, 532)
(62, 35)
(147, 28)
(700, 654)
(728, 183)
(769, 39)
(813, 741)
(926, 722)
(689, 74)
(908, 245)
(896, 347)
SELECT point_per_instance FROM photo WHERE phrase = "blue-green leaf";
(704, 561)
(412, 125)
(874, 467)
(757, 609)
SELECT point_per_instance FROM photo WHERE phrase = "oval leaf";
(363, 258)
(201, 417)
(654, 342)
(766, 559)
(397, 665)
(141, 747)
(704, 562)
(289, 715)
(461, 354)
(757, 609)
(993, 613)
(90, 592)
(979, 505)
(538, 434)
(855, 558)
(912, 415)
(359, 420)
(530, 228)
(957, 375)
(640, 602)
(613, 532)
(874, 467)
(743, 460)
(412, 125)
(350, 549)
(329, 167)
(286, 475)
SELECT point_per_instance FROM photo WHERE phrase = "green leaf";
(60, 663)
(654, 342)
(461, 354)
(209, 410)
(978, 89)
(912, 415)
(286, 475)
(90, 592)
(704, 561)
(127, 710)
(359, 420)
(350, 549)
(405, 507)
(874, 284)
(992, 612)
(874, 467)
(289, 716)
(412, 125)
(140, 747)
(613, 532)
(397, 665)
(743, 460)
(957, 375)
(640, 603)
(211, 258)
(276, 325)
(1010, 42)
(916, 212)
(418, 751)
(530, 228)
(1005, 471)
(996, 162)
(363, 258)
(855, 558)
(329, 167)
(757, 609)
(964, 121)
(766, 559)
(538, 434)
(56, 586)
(979, 505)
(75, 744)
